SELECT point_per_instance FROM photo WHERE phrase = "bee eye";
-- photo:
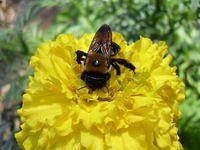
(96, 63)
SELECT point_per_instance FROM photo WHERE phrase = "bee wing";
(102, 40)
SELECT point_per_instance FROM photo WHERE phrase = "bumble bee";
(98, 61)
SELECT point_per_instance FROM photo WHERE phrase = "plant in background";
(140, 110)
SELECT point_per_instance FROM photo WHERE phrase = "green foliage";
(174, 21)
(189, 124)
(12, 39)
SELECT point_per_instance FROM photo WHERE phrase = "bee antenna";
(82, 87)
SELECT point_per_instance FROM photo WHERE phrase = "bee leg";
(79, 56)
(114, 48)
(124, 63)
(116, 67)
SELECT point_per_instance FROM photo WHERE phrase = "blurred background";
(24, 24)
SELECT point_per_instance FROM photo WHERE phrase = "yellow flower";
(137, 112)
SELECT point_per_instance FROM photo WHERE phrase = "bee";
(98, 61)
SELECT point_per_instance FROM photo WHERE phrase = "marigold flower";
(138, 112)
